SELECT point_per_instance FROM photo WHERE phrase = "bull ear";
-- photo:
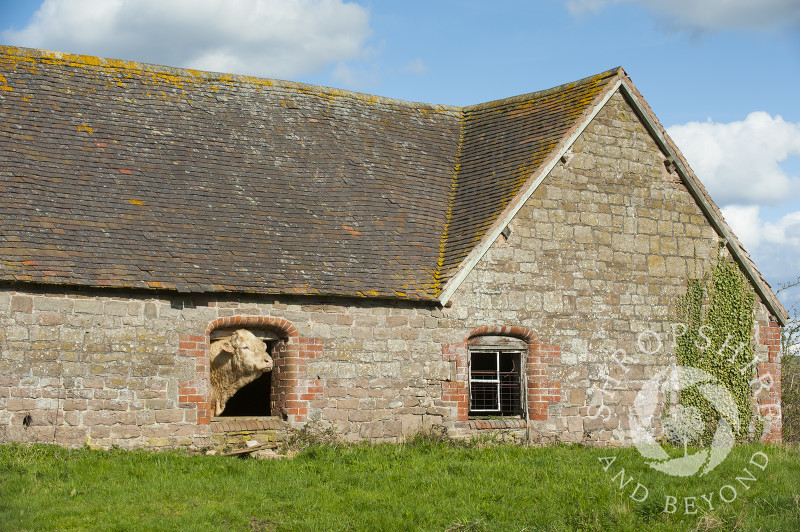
(226, 345)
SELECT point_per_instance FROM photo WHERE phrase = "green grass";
(424, 485)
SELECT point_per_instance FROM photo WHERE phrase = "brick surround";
(293, 389)
(769, 401)
(193, 394)
(541, 391)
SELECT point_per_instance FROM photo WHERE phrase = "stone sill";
(478, 424)
(235, 424)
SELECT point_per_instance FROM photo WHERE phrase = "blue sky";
(722, 75)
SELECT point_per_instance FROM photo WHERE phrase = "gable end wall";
(598, 255)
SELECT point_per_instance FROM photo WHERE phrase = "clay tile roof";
(503, 144)
(123, 174)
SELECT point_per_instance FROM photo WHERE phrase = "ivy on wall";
(718, 311)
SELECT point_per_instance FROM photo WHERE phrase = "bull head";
(236, 361)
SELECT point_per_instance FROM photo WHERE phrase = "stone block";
(16, 333)
(5, 301)
(392, 429)
(75, 404)
(590, 423)
(21, 303)
(647, 226)
(627, 397)
(150, 310)
(135, 308)
(409, 333)
(552, 302)
(335, 414)
(115, 406)
(91, 419)
(362, 333)
(49, 318)
(411, 371)
(577, 397)
(371, 430)
(656, 265)
(438, 371)
(169, 416)
(124, 432)
(88, 306)
(115, 308)
(347, 404)
(360, 415)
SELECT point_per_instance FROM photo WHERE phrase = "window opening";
(495, 383)
(252, 399)
(256, 398)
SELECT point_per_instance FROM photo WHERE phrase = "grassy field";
(423, 485)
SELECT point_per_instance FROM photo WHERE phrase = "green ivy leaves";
(718, 312)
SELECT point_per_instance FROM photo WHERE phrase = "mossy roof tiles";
(503, 144)
(129, 175)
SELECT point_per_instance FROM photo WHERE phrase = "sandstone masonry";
(598, 255)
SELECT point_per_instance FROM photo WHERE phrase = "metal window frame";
(498, 351)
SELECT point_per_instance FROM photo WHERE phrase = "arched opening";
(259, 397)
(496, 370)
(252, 399)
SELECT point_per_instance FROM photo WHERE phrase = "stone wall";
(111, 368)
(595, 258)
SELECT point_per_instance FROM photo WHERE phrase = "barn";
(405, 266)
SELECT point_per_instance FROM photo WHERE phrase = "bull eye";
(245, 347)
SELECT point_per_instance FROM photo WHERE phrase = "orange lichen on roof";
(437, 273)
(534, 126)
(349, 229)
(4, 84)
(385, 197)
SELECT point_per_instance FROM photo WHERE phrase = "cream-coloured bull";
(236, 360)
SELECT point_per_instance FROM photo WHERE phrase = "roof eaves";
(186, 289)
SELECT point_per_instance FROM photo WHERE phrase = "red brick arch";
(294, 389)
(523, 333)
(254, 321)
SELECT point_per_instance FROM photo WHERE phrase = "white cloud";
(775, 247)
(746, 224)
(415, 66)
(358, 78)
(709, 14)
(270, 38)
(739, 161)
(754, 232)
(578, 7)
